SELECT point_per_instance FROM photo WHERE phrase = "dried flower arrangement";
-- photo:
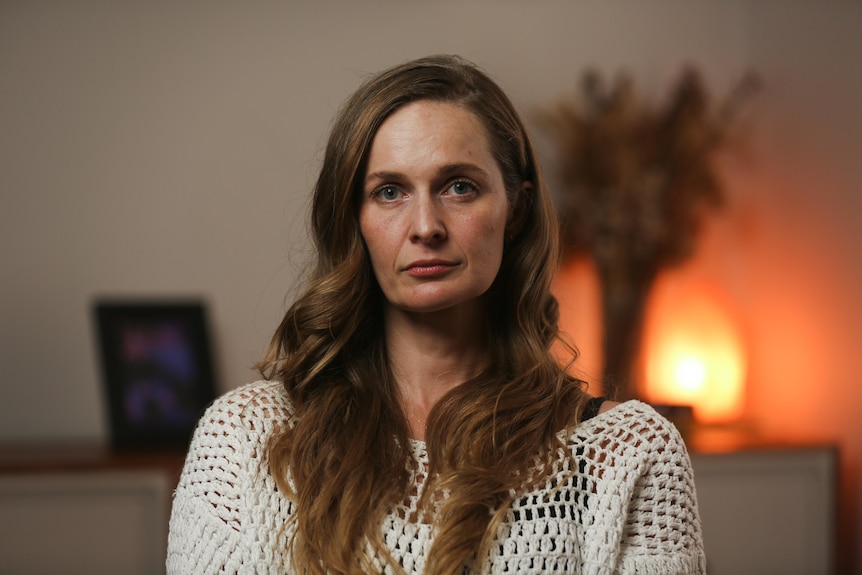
(636, 182)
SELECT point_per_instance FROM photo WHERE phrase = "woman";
(414, 419)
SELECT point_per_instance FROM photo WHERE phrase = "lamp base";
(682, 416)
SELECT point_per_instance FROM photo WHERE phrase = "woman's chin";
(438, 305)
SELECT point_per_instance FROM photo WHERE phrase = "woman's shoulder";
(227, 455)
(253, 405)
(626, 411)
(234, 426)
(263, 392)
(631, 426)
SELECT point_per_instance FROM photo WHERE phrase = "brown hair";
(346, 452)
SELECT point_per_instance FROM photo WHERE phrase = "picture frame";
(157, 369)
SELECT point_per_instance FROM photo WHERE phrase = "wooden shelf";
(38, 458)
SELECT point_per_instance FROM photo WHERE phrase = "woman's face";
(434, 209)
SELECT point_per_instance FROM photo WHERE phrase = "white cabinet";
(110, 522)
(768, 511)
(764, 512)
(84, 511)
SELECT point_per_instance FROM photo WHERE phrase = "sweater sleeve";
(205, 524)
(662, 532)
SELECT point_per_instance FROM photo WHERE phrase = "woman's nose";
(426, 223)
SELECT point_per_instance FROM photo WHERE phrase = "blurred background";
(168, 148)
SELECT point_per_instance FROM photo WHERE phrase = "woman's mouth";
(429, 268)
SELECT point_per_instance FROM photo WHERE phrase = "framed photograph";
(157, 370)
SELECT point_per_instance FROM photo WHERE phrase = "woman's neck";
(430, 354)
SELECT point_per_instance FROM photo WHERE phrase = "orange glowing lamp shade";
(694, 354)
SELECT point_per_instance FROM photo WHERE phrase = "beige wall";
(165, 148)
(155, 149)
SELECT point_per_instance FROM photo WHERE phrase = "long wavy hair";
(345, 458)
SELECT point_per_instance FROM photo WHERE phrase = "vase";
(625, 292)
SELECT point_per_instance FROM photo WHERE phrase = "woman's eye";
(462, 187)
(388, 193)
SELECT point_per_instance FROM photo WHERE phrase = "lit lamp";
(693, 353)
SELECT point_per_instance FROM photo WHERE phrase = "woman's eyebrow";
(383, 175)
(446, 170)
(450, 169)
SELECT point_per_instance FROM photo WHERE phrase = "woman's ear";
(519, 212)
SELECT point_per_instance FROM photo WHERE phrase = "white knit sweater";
(627, 506)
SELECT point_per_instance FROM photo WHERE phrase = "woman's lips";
(429, 269)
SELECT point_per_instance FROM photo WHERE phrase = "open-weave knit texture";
(624, 504)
